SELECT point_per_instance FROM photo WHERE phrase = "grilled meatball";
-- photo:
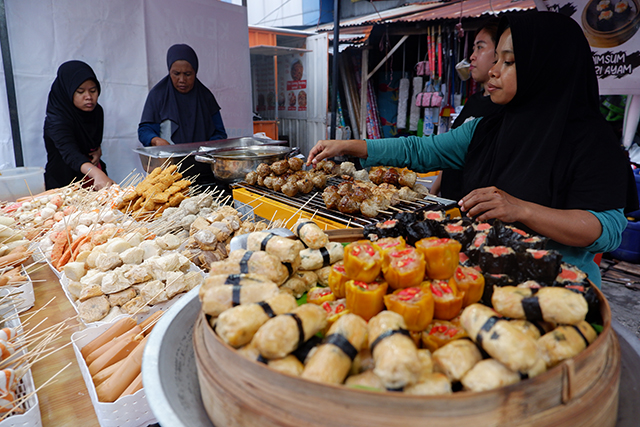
(329, 166)
(407, 177)
(391, 176)
(260, 180)
(268, 181)
(331, 199)
(251, 178)
(319, 180)
(278, 182)
(295, 163)
(263, 169)
(369, 208)
(376, 175)
(344, 188)
(290, 189)
(347, 168)
(361, 175)
(360, 193)
(421, 189)
(305, 185)
(405, 193)
(280, 167)
(348, 205)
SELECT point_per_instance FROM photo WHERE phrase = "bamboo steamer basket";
(582, 391)
(613, 38)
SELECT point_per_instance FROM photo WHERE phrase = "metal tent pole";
(334, 68)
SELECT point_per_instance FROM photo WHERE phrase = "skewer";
(301, 207)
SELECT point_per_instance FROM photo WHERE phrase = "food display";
(288, 177)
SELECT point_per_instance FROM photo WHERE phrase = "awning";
(468, 9)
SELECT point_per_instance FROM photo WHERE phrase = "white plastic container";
(21, 182)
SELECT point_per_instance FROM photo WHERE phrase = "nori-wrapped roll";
(405, 217)
(389, 228)
(538, 264)
(421, 229)
(621, 12)
(474, 248)
(605, 21)
(434, 215)
(571, 275)
(502, 235)
(497, 260)
(531, 242)
(303, 351)
(463, 233)
(491, 280)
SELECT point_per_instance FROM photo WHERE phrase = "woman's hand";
(331, 148)
(488, 203)
(101, 180)
(95, 156)
(155, 141)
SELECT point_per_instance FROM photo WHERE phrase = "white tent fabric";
(125, 42)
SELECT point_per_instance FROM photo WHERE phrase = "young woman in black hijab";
(73, 129)
(547, 160)
(180, 109)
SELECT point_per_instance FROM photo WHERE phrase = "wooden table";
(66, 401)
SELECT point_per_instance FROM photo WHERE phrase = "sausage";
(147, 324)
(118, 351)
(113, 387)
(102, 349)
(118, 328)
(133, 387)
(101, 376)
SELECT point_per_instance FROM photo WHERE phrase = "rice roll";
(426, 364)
(565, 342)
(216, 299)
(489, 374)
(332, 360)
(605, 21)
(539, 264)
(533, 329)
(460, 232)
(456, 358)
(603, 5)
(490, 282)
(310, 234)
(282, 334)
(500, 339)
(435, 384)
(621, 12)
(314, 259)
(362, 362)
(396, 357)
(323, 275)
(236, 326)
(286, 250)
(497, 260)
(296, 286)
(551, 304)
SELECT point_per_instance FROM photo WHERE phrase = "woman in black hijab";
(547, 160)
(180, 109)
(73, 129)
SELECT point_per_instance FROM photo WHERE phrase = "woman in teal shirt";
(547, 161)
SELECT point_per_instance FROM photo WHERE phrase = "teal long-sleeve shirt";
(448, 150)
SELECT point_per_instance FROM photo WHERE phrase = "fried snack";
(242, 262)
(238, 325)
(288, 365)
(434, 384)
(395, 353)
(565, 342)
(310, 234)
(456, 358)
(489, 374)
(331, 362)
(286, 250)
(216, 299)
(314, 259)
(281, 335)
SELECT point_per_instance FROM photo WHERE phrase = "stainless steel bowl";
(232, 165)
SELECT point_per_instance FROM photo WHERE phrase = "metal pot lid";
(255, 152)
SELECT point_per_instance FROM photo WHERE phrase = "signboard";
(292, 87)
(611, 27)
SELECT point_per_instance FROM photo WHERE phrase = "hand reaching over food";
(331, 148)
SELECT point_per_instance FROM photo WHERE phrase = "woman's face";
(502, 83)
(183, 76)
(85, 97)
(483, 57)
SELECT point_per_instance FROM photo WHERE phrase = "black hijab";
(190, 112)
(550, 145)
(87, 126)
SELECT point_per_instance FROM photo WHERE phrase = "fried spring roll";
(284, 333)
(501, 340)
(236, 326)
(395, 353)
(332, 360)
(286, 250)
(565, 342)
(552, 304)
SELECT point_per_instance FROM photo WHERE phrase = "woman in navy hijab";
(180, 109)
(73, 129)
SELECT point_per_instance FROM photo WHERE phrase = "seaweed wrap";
(439, 333)
(314, 259)
(571, 275)
(621, 12)
(534, 329)
(489, 374)
(456, 358)
(497, 260)
(310, 234)
(432, 215)
(396, 357)
(605, 21)
(603, 5)
(331, 362)
(565, 341)
(362, 362)
(362, 261)
(539, 264)
(501, 340)
(286, 250)
(405, 268)
(241, 261)
(365, 299)
(435, 384)
(389, 228)
(441, 256)
(490, 282)
(306, 350)
(471, 282)
(236, 326)
(531, 242)
(551, 304)
(504, 235)
(476, 245)
(463, 233)
(337, 278)
(282, 334)
(414, 304)
(216, 299)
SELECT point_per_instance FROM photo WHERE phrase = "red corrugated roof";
(469, 9)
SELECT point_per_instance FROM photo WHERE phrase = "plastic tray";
(128, 411)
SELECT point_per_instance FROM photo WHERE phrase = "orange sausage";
(118, 351)
(76, 245)
(101, 376)
(103, 349)
(117, 329)
(4, 279)
(13, 259)
(117, 383)
(148, 323)
(133, 387)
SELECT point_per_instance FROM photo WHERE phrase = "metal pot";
(232, 165)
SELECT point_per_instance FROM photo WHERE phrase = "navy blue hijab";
(190, 113)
